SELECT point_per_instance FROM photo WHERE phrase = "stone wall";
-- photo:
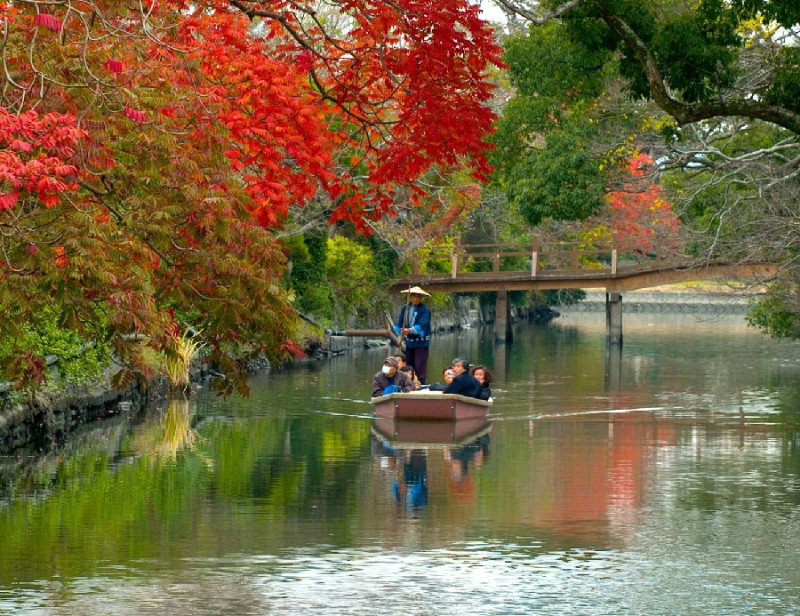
(44, 424)
(679, 302)
(48, 420)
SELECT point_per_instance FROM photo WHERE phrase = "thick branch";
(533, 17)
(686, 113)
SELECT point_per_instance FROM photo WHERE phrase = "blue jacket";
(419, 317)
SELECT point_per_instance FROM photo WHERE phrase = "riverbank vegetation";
(222, 167)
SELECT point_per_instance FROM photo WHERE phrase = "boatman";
(414, 328)
(390, 380)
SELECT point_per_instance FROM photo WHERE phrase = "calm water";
(664, 480)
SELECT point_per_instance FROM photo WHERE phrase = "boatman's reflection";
(410, 487)
(409, 468)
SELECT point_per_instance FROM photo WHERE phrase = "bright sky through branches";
(490, 11)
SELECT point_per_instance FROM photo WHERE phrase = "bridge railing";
(532, 257)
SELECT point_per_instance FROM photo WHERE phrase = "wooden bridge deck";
(562, 267)
(533, 266)
(630, 278)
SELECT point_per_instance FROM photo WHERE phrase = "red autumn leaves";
(32, 153)
(402, 92)
(48, 21)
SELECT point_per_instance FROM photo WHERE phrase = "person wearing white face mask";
(390, 380)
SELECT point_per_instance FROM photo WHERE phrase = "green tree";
(350, 270)
(709, 90)
(308, 278)
(543, 157)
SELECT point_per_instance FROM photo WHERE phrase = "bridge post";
(614, 318)
(454, 258)
(502, 318)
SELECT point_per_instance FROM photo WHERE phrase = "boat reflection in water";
(419, 452)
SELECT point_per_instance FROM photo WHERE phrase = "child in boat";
(409, 370)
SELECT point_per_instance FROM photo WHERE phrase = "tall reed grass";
(178, 359)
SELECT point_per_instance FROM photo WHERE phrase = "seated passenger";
(390, 380)
(464, 383)
(447, 376)
(484, 377)
(409, 370)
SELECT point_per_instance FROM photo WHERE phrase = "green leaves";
(560, 182)
(543, 154)
(776, 313)
(696, 52)
(546, 63)
(785, 87)
(351, 273)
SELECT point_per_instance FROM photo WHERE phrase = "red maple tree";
(148, 151)
(637, 217)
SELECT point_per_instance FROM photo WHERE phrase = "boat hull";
(429, 406)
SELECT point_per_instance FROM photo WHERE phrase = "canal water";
(664, 479)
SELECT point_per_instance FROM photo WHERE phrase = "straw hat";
(416, 291)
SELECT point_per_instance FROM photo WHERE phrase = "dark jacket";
(466, 385)
(419, 317)
(380, 381)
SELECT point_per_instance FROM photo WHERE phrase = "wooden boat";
(424, 405)
(419, 434)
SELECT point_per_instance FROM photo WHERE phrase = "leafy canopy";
(150, 152)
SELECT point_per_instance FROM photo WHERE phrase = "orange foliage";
(638, 216)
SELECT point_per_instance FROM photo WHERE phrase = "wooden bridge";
(501, 268)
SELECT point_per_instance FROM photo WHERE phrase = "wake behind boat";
(429, 405)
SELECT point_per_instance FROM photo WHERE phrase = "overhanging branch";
(686, 113)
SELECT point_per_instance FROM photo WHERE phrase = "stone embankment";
(41, 424)
(704, 300)
(49, 419)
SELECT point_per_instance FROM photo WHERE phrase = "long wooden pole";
(365, 333)
(405, 319)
